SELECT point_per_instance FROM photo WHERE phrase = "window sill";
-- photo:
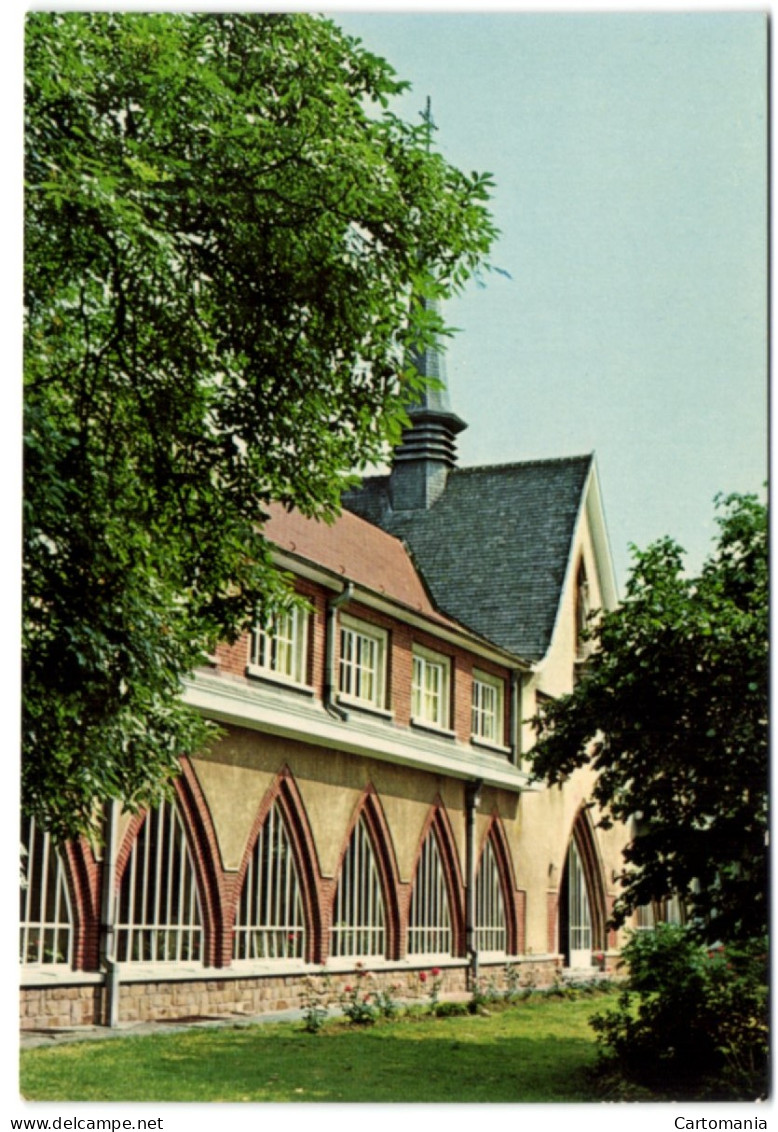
(360, 705)
(486, 745)
(433, 728)
(265, 677)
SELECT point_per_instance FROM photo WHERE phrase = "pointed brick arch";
(495, 837)
(203, 852)
(370, 811)
(582, 834)
(285, 793)
(438, 824)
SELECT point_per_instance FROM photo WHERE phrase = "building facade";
(369, 803)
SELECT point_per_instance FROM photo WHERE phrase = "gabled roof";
(357, 551)
(494, 549)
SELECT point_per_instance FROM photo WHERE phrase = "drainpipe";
(516, 690)
(108, 961)
(333, 605)
(472, 798)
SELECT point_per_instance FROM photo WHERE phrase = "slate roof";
(494, 549)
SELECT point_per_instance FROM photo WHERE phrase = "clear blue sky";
(630, 158)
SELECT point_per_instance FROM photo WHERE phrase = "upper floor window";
(281, 649)
(487, 708)
(430, 693)
(363, 651)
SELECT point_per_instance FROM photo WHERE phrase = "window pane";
(45, 920)
(159, 918)
(358, 918)
(429, 921)
(269, 921)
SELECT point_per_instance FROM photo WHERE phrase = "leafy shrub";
(692, 1021)
(450, 1009)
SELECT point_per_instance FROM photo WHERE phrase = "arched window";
(159, 915)
(429, 920)
(359, 913)
(270, 918)
(46, 919)
(582, 910)
(491, 930)
(578, 909)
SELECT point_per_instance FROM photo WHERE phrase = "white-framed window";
(281, 649)
(431, 688)
(429, 920)
(491, 931)
(159, 919)
(46, 920)
(270, 920)
(645, 917)
(358, 915)
(363, 653)
(487, 708)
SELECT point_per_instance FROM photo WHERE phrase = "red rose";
(422, 976)
(435, 972)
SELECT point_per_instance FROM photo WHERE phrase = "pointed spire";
(427, 450)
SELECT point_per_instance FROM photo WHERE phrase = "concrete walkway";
(30, 1039)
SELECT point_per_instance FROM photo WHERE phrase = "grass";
(537, 1050)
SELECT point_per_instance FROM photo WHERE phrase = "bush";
(692, 1021)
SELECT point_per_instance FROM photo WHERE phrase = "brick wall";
(63, 1007)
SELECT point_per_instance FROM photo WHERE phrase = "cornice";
(292, 716)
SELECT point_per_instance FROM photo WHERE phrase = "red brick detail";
(521, 916)
(369, 807)
(592, 868)
(83, 879)
(437, 823)
(284, 791)
(553, 921)
(496, 834)
(204, 851)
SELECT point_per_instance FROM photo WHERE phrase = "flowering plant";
(356, 1004)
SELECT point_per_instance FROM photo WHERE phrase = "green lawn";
(537, 1050)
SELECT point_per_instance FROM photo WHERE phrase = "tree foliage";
(672, 714)
(691, 1023)
(229, 236)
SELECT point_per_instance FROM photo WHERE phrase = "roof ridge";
(584, 457)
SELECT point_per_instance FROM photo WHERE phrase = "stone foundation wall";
(57, 1007)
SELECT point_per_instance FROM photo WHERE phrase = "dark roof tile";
(494, 548)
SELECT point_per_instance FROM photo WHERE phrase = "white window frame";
(46, 923)
(359, 927)
(270, 917)
(488, 709)
(431, 689)
(362, 669)
(491, 921)
(159, 917)
(280, 651)
(429, 917)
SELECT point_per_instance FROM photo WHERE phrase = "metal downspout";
(108, 961)
(516, 711)
(333, 605)
(472, 798)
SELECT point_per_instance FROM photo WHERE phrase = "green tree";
(225, 233)
(672, 714)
